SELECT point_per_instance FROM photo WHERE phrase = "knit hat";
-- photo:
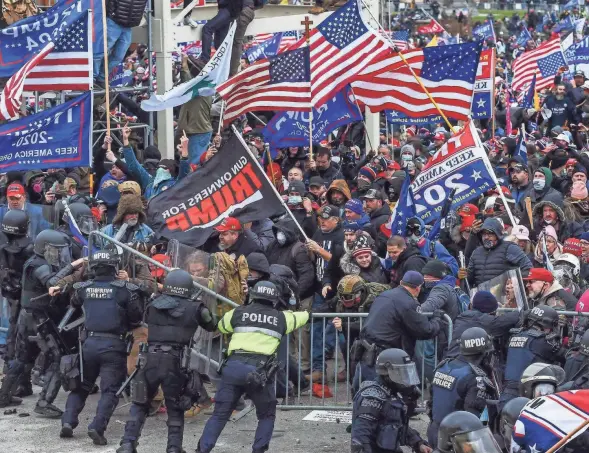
(549, 231)
(355, 206)
(151, 152)
(381, 161)
(362, 245)
(435, 268)
(579, 191)
(368, 173)
(348, 225)
(412, 278)
(296, 186)
(408, 149)
(572, 246)
(485, 302)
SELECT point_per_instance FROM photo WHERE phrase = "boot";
(23, 390)
(66, 431)
(127, 447)
(6, 398)
(47, 409)
(97, 437)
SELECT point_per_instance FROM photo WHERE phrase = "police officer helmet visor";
(87, 224)
(543, 372)
(479, 441)
(543, 388)
(57, 255)
(405, 374)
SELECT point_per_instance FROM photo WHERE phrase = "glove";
(439, 313)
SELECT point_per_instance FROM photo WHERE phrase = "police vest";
(175, 324)
(259, 318)
(31, 286)
(520, 353)
(105, 305)
(447, 378)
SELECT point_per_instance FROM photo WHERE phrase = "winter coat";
(566, 228)
(380, 216)
(442, 297)
(410, 259)
(339, 185)
(294, 255)
(486, 264)
(333, 172)
(329, 273)
(374, 273)
(126, 13)
(557, 297)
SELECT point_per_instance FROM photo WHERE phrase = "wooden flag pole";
(396, 49)
(307, 24)
(568, 437)
(106, 72)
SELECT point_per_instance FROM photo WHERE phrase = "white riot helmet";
(569, 260)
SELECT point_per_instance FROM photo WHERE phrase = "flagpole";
(289, 212)
(106, 72)
(307, 23)
(221, 116)
(396, 49)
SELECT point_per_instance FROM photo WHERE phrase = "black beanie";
(435, 268)
(485, 302)
(151, 152)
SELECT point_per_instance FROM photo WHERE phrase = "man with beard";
(562, 108)
(519, 176)
(17, 199)
(232, 239)
(543, 289)
(323, 166)
(376, 208)
(338, 194)
(549, 213)
(301, 207)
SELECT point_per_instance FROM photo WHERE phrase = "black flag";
(230, 184)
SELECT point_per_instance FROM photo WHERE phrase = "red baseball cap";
(229, 224)
(539, 274)
(468, 209)
(15, 190)
(440, 136)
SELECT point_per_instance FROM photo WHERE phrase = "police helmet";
(54, 246)
(104, 259)
(265, 291)
(584, 344)
(456, 423)
(397, 366)
(540, 379)
(178, 283)
(82, 215)
(15, 222)
(475, 341)
(352, 290)
(543, 316)
(509, 415)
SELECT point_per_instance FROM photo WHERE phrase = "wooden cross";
(307, 23)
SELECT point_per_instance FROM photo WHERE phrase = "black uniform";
(111, 308)
(172, 322)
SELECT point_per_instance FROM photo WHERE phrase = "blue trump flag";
(21, 40)
(528, 102)
(121, 77)
(404, 209)
(266, 49)
(521, 150)
(578, 53)
(292, 128)
(523, 38)
(485, 31)
(566, 24)
(60, 137)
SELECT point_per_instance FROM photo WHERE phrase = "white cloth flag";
(215, 72)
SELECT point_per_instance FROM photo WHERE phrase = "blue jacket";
(146, 180)
(142, 234)
(37, 221)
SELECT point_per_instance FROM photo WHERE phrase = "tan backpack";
(234, 272)
(15, 10)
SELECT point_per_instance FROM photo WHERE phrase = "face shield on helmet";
(405, 374)
(542, 389)
(479, 441)
(57, 255)
(87, 224)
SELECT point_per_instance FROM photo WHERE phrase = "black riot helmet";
(15, 222)
(179, 283)
(54, 246)
(265, 292)
(584, 344)
(463, 432)
(509, 415)
(475, 343)
(104, 262)
(540, 379)
(396, 366)
(543, 316)
(83, 217)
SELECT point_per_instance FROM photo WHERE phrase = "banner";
(230, 184)
(21, 40)
(121, 77)
(483, 98)
(460, 164)
(432, 28)
(397, 117)
(60, 137)
(292, 128)
(485, 31)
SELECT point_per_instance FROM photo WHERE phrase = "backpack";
(15, 10)
(234, 272)
(462, 299)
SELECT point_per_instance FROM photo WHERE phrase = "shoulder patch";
(118, 283)
(372, 390)
(81, 285)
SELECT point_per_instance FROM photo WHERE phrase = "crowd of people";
(472, 315)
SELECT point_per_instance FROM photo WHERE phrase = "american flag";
(69, 66)
(448, 73)
(341, 47)
(289, 38)
(281, 82)
(10, 98)
(400, 39)
(544, 60)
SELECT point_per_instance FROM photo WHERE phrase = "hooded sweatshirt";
(548, 193)
(341, 186)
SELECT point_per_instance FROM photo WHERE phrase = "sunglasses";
(516, 170)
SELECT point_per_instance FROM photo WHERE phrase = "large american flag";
(341, 46)
(69, 66)
(10, 98)
(448, 73)
(400, 39)
(544, 61)
(281, 82)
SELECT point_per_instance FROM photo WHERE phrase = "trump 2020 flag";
(524, 37)
(484, 87)
(60, 137)
(485, 31)
(461, 164)
(404, 209)
(230, 184)
(215, 72)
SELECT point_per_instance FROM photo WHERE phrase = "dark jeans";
(243, 20)
(218, 26)
(294, 373)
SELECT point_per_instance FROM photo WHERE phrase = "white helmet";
(571, 259)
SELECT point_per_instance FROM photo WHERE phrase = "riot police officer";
(173, 317)
(15, 249)
(507, 419)
(111, 308)
(462, 383)
(535, 342)
(380, 421)
(463, 432)
(540, 379)
(39, 314)
(250, 367)
(576, 367)
(84, 219)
